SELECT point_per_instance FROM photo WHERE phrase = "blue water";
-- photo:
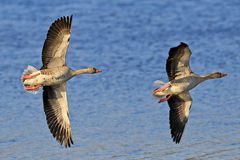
(113, 114)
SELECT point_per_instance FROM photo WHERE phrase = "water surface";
(113, 114)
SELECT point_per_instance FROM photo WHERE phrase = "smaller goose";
(176, 91)
(53, 77)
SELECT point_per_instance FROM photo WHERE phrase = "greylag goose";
(176, 91)
(53, 77)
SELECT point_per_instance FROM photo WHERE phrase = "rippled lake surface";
(113, 114)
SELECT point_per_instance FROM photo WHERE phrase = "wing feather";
(178, 62)
(57, 42)
(179, 112)
(56, 110)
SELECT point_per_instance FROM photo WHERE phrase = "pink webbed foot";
(32, 88)
(165, 99)
(162, 89)
(30, 76)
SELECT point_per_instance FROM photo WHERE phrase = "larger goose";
(53, 77)
(176, 91)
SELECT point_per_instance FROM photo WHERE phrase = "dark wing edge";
(177, 65)
(57, 42)
(180, 106)
(56, 111)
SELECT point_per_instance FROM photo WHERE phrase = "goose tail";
(159, 83)
(27, 76)
(28, 71)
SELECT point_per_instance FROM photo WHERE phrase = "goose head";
(89, 70)
(214, 75)
(219, 74)
(93, 70)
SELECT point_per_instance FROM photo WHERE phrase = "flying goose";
(53, 77)
(176, 91)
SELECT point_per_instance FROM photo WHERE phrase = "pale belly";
(180, 88)
(45, 80)
(184, 85)
(176, 89)
(57, 77)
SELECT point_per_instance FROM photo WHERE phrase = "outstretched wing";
(179, 112)
(178, 62)
(56, 110)
(57, 42)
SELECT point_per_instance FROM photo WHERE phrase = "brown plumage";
(180, 106)
(181, 80)
(57, 42)
(52, 77)
(177, 65)
(57, 115)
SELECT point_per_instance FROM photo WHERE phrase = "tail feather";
(33, 92)
(159, 83)
(29, 70)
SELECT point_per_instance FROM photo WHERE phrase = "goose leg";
(30, 76)
(162, 89)
(32, 88)
(165, 99)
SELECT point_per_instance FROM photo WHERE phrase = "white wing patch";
(63, 46)
(187, 108)
(63, 101)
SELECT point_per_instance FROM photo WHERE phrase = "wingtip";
(176, 137)
(183, 44)
(71, 17)
(65, 18)
(177, 141)
(68, 143)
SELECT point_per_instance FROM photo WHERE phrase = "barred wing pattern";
(180, 106)
(56, 110)
(57, 42)
(178, 62)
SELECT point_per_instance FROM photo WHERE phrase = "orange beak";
(98, 70)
